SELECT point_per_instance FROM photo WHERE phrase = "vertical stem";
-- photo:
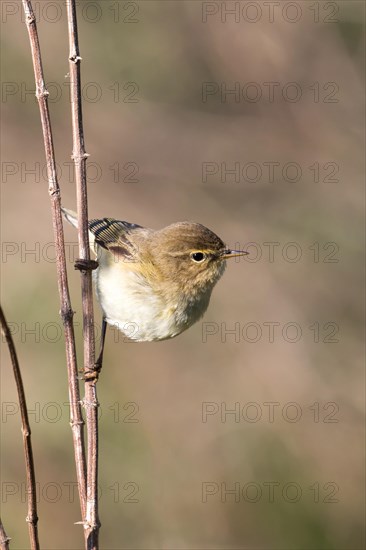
(79, 156)
(76, 419)
(32, 517)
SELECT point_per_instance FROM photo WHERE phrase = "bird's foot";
(85, 265)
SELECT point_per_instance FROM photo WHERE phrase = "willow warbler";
(153, 285)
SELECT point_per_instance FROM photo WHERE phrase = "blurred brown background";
(293, 450)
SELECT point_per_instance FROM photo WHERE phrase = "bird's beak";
(227, 254)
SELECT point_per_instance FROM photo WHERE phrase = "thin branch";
(32, 517)
(79, 156)
(76, 418)
(4, 539)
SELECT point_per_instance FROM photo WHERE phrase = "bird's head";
(190, 256)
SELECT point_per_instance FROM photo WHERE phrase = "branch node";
(53, 189)
(32, 519)
(78, 158)
(30, 18)
(77, 422)
(42, 93)
(90, 404)
(75, 58)
(67, 315)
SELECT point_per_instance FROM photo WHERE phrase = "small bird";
(153, 285)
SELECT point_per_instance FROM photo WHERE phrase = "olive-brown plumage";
(151, 284)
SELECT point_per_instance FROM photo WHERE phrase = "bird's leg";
(99, 361)
(94, 373)
(84, 266)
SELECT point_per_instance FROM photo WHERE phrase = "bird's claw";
(85, 265)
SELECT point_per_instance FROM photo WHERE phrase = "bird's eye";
(198, 257)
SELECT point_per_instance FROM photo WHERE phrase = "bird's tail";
(72, 218)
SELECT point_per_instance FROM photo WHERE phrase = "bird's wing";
(113, 235)
(108, 233)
